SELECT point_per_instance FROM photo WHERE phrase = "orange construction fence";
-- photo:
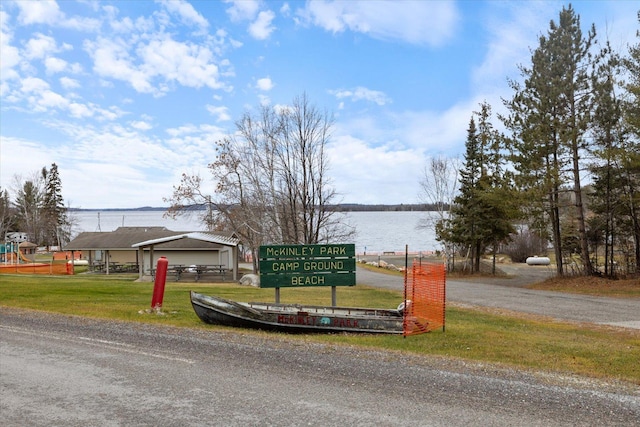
(425, 298)
(37, 268)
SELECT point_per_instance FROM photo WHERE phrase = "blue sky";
(125, 96)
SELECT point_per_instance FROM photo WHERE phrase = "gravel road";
(60, 370)
(68, 371)
(509, 293)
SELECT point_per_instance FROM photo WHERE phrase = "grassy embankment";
(522, 342)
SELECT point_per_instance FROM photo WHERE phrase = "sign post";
(307, 265)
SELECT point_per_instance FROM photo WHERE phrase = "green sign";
(307, 265)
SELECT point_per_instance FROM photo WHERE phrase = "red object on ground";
(158, 287)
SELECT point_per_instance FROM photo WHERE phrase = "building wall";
(121, 257)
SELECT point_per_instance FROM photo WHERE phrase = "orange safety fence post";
(425, 296)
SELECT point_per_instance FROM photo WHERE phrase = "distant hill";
(343, 207)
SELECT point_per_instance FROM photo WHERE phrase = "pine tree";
(482, 213)
(466, 212)
(548, 118)
(7, 214)
(630, 163)
(608, 137)
(54, 213)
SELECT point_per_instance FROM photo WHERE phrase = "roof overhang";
(204, 237)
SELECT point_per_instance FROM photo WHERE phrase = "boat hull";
(294, 318)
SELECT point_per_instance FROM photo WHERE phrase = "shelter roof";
(198, 236)
(129, 238)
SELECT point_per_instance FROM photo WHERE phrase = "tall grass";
(528, 343)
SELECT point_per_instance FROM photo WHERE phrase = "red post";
(158, 287)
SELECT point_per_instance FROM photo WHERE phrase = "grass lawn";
(521, 342)
(590, 285)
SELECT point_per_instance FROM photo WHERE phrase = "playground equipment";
(13, 261)
(10, 253)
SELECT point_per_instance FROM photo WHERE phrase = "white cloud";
(48, 12)
(123, 26)
(362, 93)
(242, 10)
(182, 130)
(40, 46)
(429, 132)
(265, 84)
(10, 54)
(366, 174)
(220, 113)
(39, 97)
(69, 83)
(141, 125)
(187, 63)
(34, 84)
(412, 21)
(261, 28)
(78, 110)
(55, 65)
(249, 10)
(436, 132)
(116, 145)
(111, 59)
(47, 100)
(39, 12)
(20, 156)
(152, 67)
(136, 186)
(75, 68)
(264, 99)
(186, 12)
(512, 30)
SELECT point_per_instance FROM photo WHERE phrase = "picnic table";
(114, 267)
(125, 267)
(199, 270)
(97, 266)
(177, 269)
(218, 269)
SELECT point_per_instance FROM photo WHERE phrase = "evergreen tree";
(630, 161)
(482, 213)
(608, 138)
(54, 213)
(463, 227)
(7, 214)
(548, 118)
(632, 104)
(616, 129)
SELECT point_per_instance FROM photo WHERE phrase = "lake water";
(376, 232)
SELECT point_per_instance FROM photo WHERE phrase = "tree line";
(567, 167)
(37, 209)
(565, 170)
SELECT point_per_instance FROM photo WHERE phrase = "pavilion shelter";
(140, 247)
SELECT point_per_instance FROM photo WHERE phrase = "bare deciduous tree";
(438, 187)
(271, 177)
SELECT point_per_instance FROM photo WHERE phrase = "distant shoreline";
(348, 207)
